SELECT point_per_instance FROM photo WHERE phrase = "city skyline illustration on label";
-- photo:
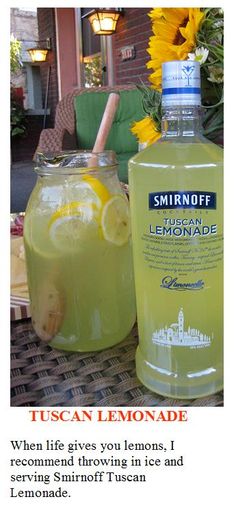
(176, 336)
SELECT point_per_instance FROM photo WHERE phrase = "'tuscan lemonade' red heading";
(108, 415)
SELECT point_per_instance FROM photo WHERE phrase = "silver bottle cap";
(181, 83)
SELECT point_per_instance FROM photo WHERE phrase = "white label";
(174, 335)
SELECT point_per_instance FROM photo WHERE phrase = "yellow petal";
(156, 13)
(176, 16)
(146, 131)
(165, 31)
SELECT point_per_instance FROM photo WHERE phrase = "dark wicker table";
(42, 376)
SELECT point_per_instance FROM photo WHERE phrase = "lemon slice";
(100, 190)
(71, 223)
(115, 220)
(82, 210)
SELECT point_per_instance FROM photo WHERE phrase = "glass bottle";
(78, 252)
(176, 196)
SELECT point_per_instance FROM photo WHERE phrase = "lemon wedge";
(115, 220)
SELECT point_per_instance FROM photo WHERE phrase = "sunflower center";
(179, 39)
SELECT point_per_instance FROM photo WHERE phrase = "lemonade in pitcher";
(78, 252)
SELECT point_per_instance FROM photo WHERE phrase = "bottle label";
(181, 83)
(180, 335)
(180, 199)
(183, 239)
(178, 262)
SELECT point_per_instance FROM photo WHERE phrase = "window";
(33, 87)
(94, 54)
(93, 70)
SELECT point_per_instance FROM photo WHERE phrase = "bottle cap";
(181, 84)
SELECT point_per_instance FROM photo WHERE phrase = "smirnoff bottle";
(176, 192)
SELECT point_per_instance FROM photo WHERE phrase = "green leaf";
(17, 131)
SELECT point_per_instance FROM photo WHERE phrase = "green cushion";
(89, 108)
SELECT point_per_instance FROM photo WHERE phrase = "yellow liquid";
(90, 278)
(178, 276)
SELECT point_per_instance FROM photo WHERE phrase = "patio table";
(43, 376)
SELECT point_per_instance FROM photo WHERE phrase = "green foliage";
(15, 54)
(93, 72)
(18, 119)
(211, 36)
(151, 101)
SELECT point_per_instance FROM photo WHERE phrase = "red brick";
(134, 29)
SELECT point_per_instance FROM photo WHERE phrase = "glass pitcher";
(78, 252)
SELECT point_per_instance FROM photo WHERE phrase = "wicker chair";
(77, 130)
(63, 135)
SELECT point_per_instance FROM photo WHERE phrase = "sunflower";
(146, 131)
(175, 31)
(185, 34)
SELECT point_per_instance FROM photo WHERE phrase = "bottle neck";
(181, 121)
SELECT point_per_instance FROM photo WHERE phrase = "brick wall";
(46, 28)
(134, 29)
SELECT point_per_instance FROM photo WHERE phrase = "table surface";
(42, 376)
